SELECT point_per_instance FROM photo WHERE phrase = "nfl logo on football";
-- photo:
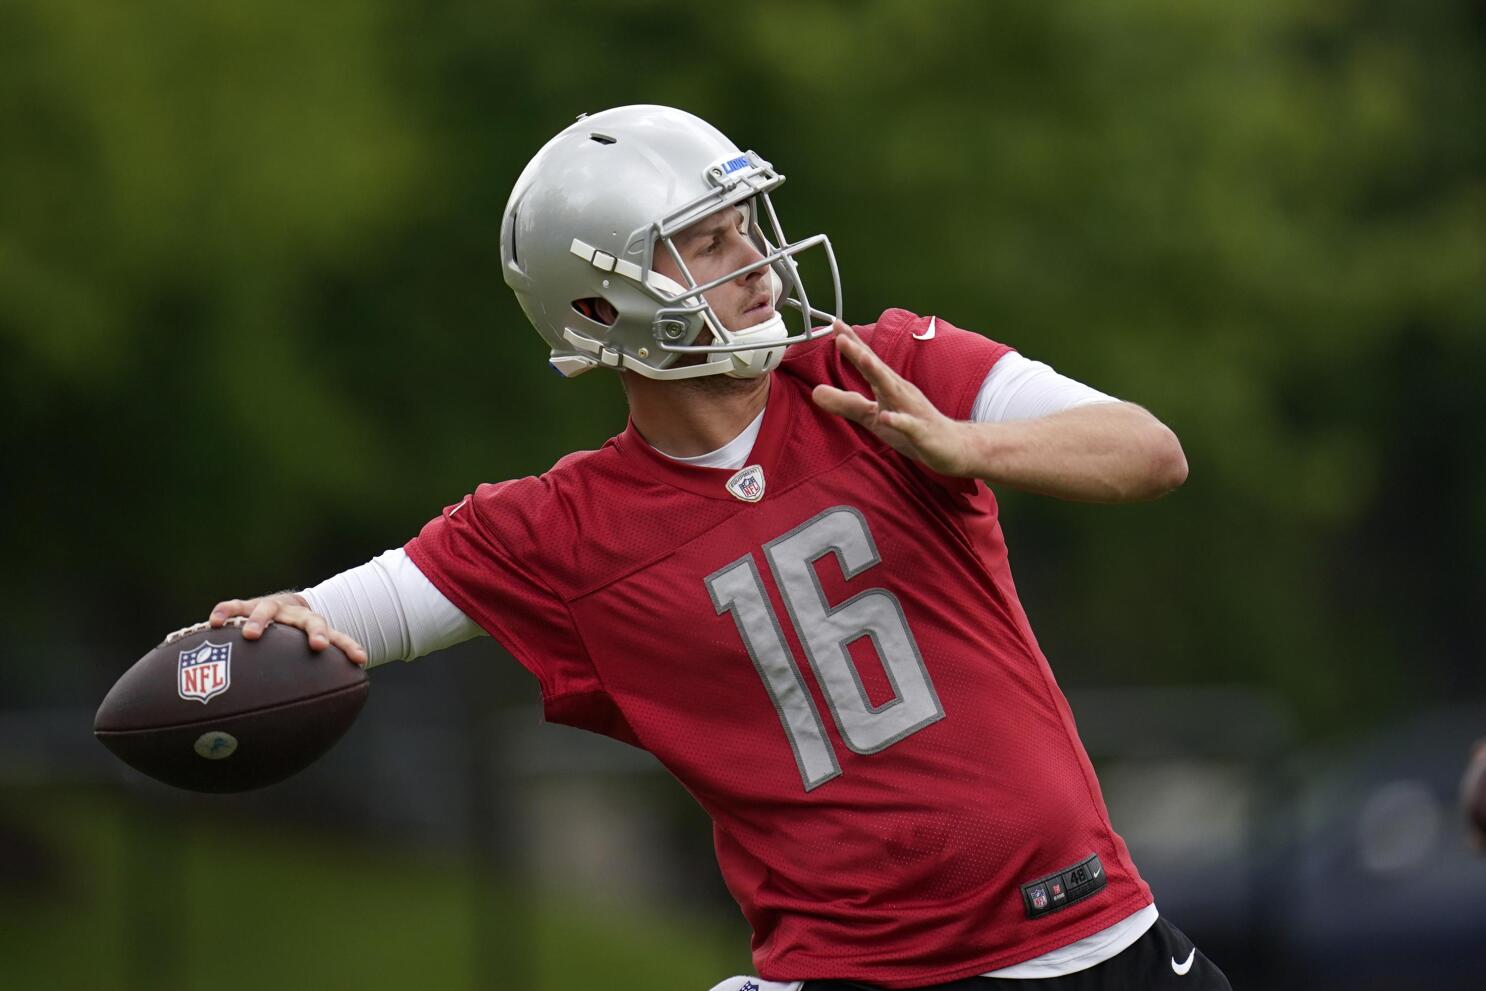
(205, 672)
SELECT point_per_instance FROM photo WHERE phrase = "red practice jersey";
(830, 655)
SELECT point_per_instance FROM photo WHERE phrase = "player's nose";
(750, 255)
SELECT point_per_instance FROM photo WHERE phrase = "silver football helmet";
(592, 209)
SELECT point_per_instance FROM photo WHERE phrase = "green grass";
(148, 900)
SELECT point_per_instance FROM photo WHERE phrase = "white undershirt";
(733, 454)
(391, 608)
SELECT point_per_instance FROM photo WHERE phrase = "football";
(1473, 795)
(208, 710)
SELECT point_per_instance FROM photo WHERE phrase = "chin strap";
(763, 359)
(747, 364)
(597, 355)
(756, 361)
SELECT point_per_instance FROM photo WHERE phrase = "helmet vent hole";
(602, 139)
(515, 255)
(597, 309)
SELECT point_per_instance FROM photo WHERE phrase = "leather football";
(210, 711)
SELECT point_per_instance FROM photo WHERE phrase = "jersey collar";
(711, 483)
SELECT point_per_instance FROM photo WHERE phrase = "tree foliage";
(254, 330)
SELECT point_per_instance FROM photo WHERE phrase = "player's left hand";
(899, 414)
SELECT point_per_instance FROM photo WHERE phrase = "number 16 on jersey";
(826, 632)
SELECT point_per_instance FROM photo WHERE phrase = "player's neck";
(687, 417)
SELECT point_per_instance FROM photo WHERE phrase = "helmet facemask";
(664, 320)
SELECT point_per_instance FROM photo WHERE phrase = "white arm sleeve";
(391, 608)
(1020, 389)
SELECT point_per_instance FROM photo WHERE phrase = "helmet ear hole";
(515, 255)
(598, 309)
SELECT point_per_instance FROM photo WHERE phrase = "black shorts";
(1164, 959)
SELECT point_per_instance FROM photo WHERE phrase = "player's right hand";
(898, 413)
(290, 610)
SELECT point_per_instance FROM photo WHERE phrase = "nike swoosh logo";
(1097, 872)
(1182, 968)
(927, 335)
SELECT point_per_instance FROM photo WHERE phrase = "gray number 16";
(826, 632)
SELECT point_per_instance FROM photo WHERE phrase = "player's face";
(713, 247)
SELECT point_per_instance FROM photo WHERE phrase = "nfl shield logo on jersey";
(205, 672)
(1039, 898)
(748, 484)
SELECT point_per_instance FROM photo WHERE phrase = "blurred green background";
(253, 330)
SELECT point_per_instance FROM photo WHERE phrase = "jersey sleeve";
(949, 365)
(485, 555)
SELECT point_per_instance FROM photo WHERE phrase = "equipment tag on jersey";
(748, 484)
(1062, 888)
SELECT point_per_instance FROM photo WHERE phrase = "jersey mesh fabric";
(905, 867)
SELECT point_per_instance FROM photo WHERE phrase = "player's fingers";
(349, 647)
(262, 614)
(877, 371)
(887, 384)
(316, 630)
(864, 360)
(226, 609)
(852, 405)
(910, 426)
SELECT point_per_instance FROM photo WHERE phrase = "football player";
(786, 580)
